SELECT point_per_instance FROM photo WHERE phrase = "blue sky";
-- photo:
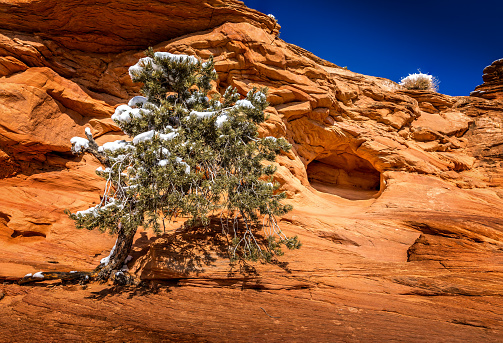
(452, 40)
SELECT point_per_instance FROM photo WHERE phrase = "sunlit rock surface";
(397, 194)
(492, 88)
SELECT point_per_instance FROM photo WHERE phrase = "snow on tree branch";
(187, 156)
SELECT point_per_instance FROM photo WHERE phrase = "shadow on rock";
(195, 253)
(142, 289)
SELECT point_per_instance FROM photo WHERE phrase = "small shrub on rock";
(420, 81)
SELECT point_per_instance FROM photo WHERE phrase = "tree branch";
(45, 276)
(93, 149)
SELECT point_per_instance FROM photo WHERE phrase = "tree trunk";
(122, 249)
(101, 273)
(46, 276)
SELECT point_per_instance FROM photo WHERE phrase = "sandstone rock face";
(101, 26)
(492, 88)
(397, 194)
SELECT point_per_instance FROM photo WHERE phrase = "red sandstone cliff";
(492, 88)
(397, 194)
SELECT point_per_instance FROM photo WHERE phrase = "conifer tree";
(188, 156)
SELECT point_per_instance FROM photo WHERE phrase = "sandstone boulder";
(492, 88)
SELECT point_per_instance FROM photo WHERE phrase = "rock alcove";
(345, 174)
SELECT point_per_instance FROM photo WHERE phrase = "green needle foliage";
(190, 157)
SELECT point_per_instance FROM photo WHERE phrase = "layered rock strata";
(397, 193)
(492, 88)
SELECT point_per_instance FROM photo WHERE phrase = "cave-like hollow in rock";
(343, 173)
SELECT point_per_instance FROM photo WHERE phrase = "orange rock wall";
(492, 88)
(397, 193)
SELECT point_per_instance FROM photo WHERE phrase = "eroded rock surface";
(397, 193)
(492, 88)
(103, 26)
